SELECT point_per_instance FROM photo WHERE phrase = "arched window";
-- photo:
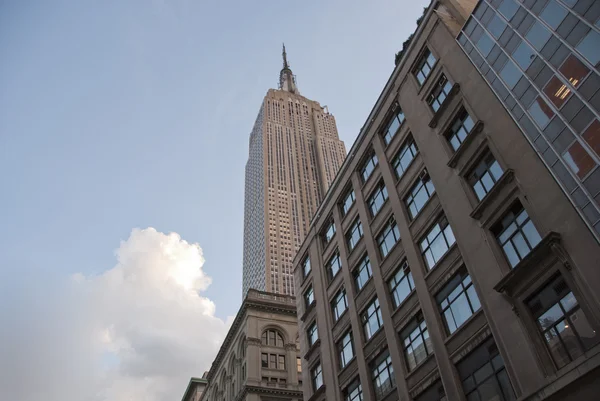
(272, 338)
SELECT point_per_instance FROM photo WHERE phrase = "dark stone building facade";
(453, 258)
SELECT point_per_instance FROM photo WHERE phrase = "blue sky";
(114, 115)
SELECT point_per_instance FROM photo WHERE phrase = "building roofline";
(193, 380)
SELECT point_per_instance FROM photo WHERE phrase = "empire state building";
(294, 155)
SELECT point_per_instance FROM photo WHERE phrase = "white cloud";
(135, 332)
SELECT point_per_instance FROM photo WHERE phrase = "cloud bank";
(138, 331)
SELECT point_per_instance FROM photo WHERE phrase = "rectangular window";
(306, 266)
(439, 93)
(377, 198)
(393, 125)
(483, 374)
(334, 265)
(348, 202)
(281, 362)
(458, 300)
(566, 329)
(516, 234)
(371, 319)
(416, 342)
(309, 296)
(299, 365)
(383, 375)
(424, 66)
(485, 175)
(437, 242)
(264, 360)
(419, 194)
(272, 361)
(313, 334)
(316, 375)
(354, 234)
(368, 166)
(388, 237)
(329, 232)
(362, 273)
(401, 284)
(339, 304)
(404, 157)
(354, 391)
(346, 349)
(460, 128)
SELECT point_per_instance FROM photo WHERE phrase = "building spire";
(287, 81)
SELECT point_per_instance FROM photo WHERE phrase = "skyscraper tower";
(294, 155)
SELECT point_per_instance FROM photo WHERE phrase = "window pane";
(590, 47)
(485, 44)
(510, 74)
(538, 35)
(579, 160)
(508, 8)
(553, 14)
(524, 55)
(496, 27)
(541, 112)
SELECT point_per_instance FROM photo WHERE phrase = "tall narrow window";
(388, 237)
(354, 234)
(346, 349)
(419, 194)
(334, 265)
(516, 234)
(309, 296)
(348, 201)
(424, 66)
(339, 304)
(416, 342)
(377, 198)
(566, 329)
(404, 157)
(299, 365)
(383, 375)
(264, 360)
(437, 242)
(329, 231)
(316, 375)
(354, 391)
(313, 334)
(368, 166)
(393, 125)
(458, 300)
(439, 93)
(460, 128)
(485, 175)
(362, 273)
(371, 319)
(306, 266)
(401, 284)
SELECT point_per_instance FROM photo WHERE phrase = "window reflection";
(557, 91)
(553, 14)
(510, 74)
(508, 8)
(590, 47)
(574, 70)
(541, 112)
(496, 26)
(538, 35)
(592, 136)
(524, 55)
(579, 160)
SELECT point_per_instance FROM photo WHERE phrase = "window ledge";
(308, 310)
(312, 348)
(318, 393)
(550, 244)
(463, 326)
(436, 117)
(461, 149)
(444, 256)
(419, 366)
(506, 179)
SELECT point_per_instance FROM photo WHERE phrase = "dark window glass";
(483, 178)
(329, 232)
(264, 360)
(510, 74)
(540, 112)
(316, 375)
(334, 265)
(354, 234)
(362, 273)
(538, 35)
(557, 91)
(508, 8)
(579, 160)
(435, 392)
(516, 234)
(460, 128)
(419, 194)
(339, 304)
(524, 55)
(592, 136)
(306, 266)
(401, 284)
(416, 342)
(346, 349)
(368, 167)
(424, 66)
(563, 324)
(383, 375)
(496, 26)
(485, 44)
(458, 300)
(393, 125)
(589, 47)
(348, 202)
(272, 338)
(574, 70)
(553, 14)
(377, 199)
(484, 376)
(273, 361)
(388, 237)
(439, 93)
(436, 242)
(354, 391)
(404, 157)
(281, 362)
(309, 296)
(371, 319)
(313, 334)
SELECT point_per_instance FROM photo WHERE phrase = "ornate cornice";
(267, 390)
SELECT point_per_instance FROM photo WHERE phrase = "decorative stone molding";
(253, 341)
(290, 347)
(424, 384)
(468, 346)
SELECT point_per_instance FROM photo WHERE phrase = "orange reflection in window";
(574, 70)
(579, 160)
(592, 136)
(557, 91)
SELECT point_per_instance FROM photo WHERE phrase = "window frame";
(417, 323)
(383, 234)
(355, 227)
(462, 115)
(306, 262)
(500, 227)
(448, 296)
(307, 295)
(339, 296)
(474, 176)
(330, 226)
(379, 192)
(312, 334)
(346, 341)
(443, 86)
(316, 376)
(377, 368)
(394, 283)
(372, 160)
(365, 318)
(422, 61)
(386, 134)
(442, 224)
(335, 256)
(349, 395)
(365, 262)
(422, 182)
(407, 146)
(348, 194)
